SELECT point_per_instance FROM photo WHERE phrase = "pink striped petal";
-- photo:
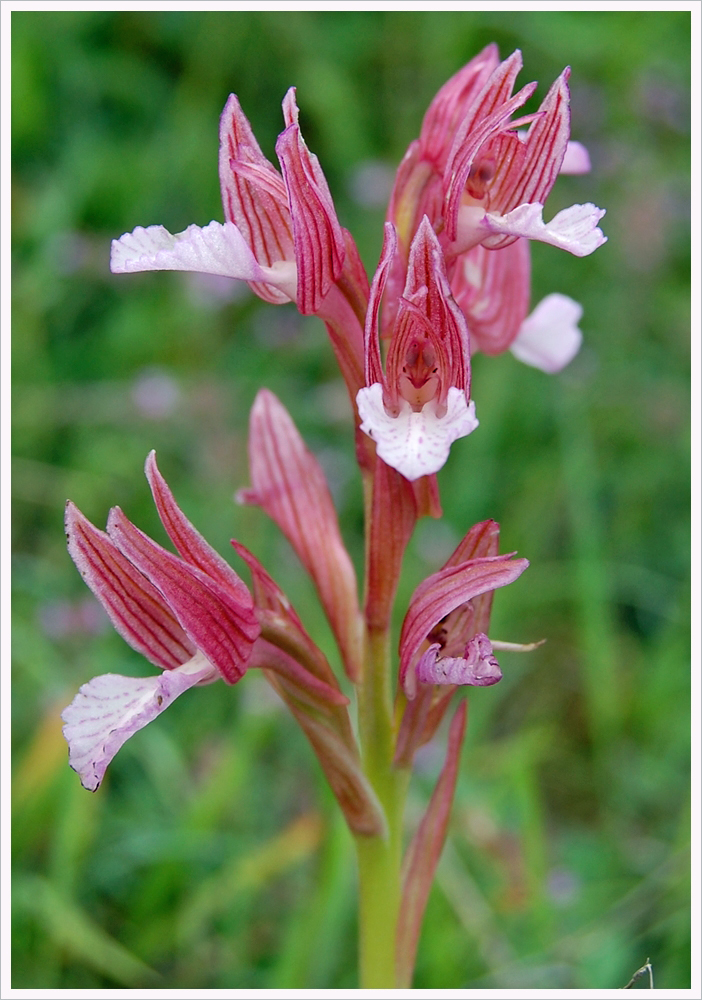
(465, 153)
(452, 102)
(319, 240)
(574, 229)
(135, 607)
(280, 623)
(422, 857)
(530, 176)
(214, 249)
(222, 625)
(550, 337)
(442, 593)
(492, 289)
(111, 708)
(289, 484)
(187, 540)
(415, 443)
(373, 363)
(478, 667)
(254, 196)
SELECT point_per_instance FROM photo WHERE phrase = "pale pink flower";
(443, 611)
(281, 233)
(191, 615)
(483, 185)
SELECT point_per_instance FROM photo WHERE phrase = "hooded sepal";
(136, 608)
(254, 197)
(420, 406)
(221, 623)
(111, 708)
(288, 483)
(422, 857)
(318, 237)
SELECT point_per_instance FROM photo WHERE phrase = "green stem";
(379, 858)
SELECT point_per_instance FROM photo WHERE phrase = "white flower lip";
(213, 249)
(111, 708)
(549, 338)
(574, 229)
(416, 444)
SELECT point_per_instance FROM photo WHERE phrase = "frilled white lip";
(415, 443)
(574, 229)
(213, 249)
(550, 338)
(111, 708)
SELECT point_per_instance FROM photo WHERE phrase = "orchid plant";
(453, 278)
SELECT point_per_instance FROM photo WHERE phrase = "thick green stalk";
(379, 858)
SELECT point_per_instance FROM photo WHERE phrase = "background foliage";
(213, 857)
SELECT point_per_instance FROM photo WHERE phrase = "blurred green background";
(212, 857)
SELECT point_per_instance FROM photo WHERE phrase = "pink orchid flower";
(421, 403)
(451, 610)
(281, 233)
(190, 615)
(483, 185)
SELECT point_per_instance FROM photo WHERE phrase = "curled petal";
(477, 668)
(574, 229)
(550, 337)
(415, 443)
(111, 708)
(135, 607)
(214, 249)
